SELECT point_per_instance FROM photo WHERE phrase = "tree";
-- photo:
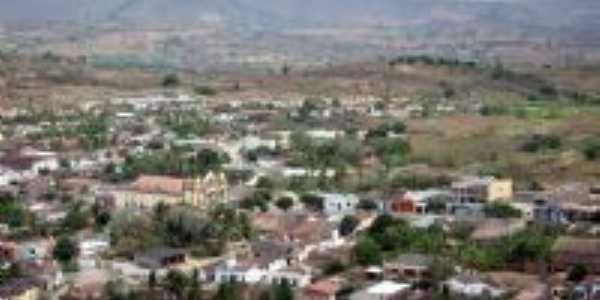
(170, 80)
(591, 148)
(333, 267)
(577, 273)
(7, 274)
(501, 210)
(283, 291)
(152, 280)
(228, 291)
(76, 218)
(540, 142)
(348, 225)
(285, 70)
(13, 212)
(176, 282)
(285, 203)
(312, 202)
(367, 252)
(206, 90)
(65, 250)
(259, 199)
(209, 159)
(195, 289)
(393, 151)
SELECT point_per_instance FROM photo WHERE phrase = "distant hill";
(579, 17)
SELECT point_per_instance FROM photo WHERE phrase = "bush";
(13, 212)
(205, 90)
(367, 252)
(591, 149)
(393, 151)
(549, 91)
(348, 225)
(493, 110)
(170, 80)
(284, 203)
(540, 142)
(333, 267)
(65, 250)
(501, 210)
(312, 202)
(577, 273)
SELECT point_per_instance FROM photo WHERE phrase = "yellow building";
(482, 190)
(148, 191)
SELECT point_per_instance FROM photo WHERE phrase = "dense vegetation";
(178, 227)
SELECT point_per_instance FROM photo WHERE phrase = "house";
(384, 290)
(90, 248)
(589, 289)
(27, 163)
(409, 266)
(482, 189)
(471, 285)
(325, 289)
(323, 134)
(148, 191)
(415, 202)
(473, 192)
(571, 251)
(9, 176)
(335, 204)
(35, 250)
(159, 258)
(572, 202)
(270, 262)
(294, 172)
(253, 142)
(25, 288)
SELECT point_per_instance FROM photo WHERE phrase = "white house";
(27, 163)
(253, 142)
(471, 285)
(339, 204)
(325, 134)
(290, 172)
(383, 290)
(93, 247)
(8, 176)
(256, 272)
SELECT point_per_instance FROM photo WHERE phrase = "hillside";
(536, 16)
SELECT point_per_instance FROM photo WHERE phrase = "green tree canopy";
(65, 250)
(367, 252)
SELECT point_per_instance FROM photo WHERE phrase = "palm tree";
(176, 283)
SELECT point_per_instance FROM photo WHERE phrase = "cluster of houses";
(291, 245)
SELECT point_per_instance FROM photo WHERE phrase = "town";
(171, 195)
(299, 150)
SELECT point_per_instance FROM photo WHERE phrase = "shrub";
(540, 142)
(205, 90)
(348, 225)
(591, 148)
(577, 273)
(501, 210)
(284, 203)
(367, 252)
(170, 80)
